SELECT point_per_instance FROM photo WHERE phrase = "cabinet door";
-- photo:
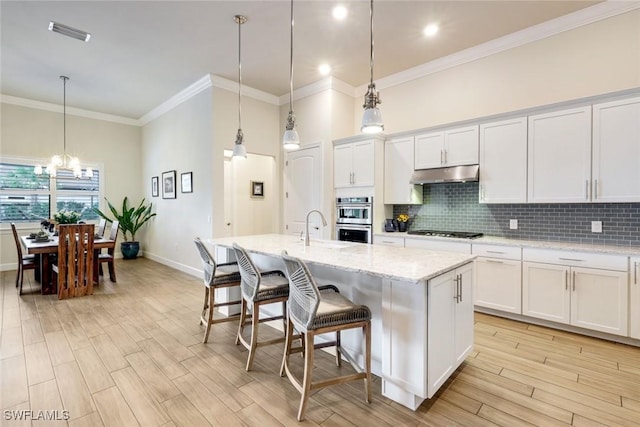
(498, 284)
(398, 168)
(464, 314)
(429, 150)
(440, 331)
(363, 165)
(461, 146)
(616, 151)
(559, 161)
(342, 165)
(599, 300)
(503, 161)
(634, 299)
(545, 291)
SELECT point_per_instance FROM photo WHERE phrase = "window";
(27, 197)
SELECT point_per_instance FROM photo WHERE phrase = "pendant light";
(372, 118)
(291, 140)
(64, 161)
(239, 149)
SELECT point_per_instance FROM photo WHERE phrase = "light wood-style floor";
(131, 354)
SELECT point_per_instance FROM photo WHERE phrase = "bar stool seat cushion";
(272, 285)
(226, 273)
(334, 309)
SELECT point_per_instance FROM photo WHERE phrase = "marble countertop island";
(406, 264)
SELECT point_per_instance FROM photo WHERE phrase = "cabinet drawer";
(439, 245)
(497, 251)
(576, 259)
(389, 241)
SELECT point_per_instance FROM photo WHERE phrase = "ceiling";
(141, 53)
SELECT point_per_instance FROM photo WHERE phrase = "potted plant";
(131, 219)
(402, 222)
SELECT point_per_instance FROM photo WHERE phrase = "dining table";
(43, 251)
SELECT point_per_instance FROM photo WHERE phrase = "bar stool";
(258, 289)
(312, 312)
(216, 276)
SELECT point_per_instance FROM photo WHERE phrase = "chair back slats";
(113, 232)
(17, 240)
(101, 226)
(208, 263)
(304, 296)
(75, 260)
(250, 282)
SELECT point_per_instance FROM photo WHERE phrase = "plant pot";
(129, 249)
(402, 226)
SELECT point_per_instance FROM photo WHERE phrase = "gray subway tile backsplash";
(455, 207)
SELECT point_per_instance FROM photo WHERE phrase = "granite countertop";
(405, 264)
(540, 244)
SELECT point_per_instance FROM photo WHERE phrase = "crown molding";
(318, 87)
(46, 106)
(232, 86)
(177, 99)
(541, 31)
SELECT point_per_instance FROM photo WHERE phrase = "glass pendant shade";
(239, 149)
(372, 121)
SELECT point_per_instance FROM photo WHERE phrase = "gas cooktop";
(439, 233)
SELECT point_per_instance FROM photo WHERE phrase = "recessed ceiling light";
(431, 30)
(324, 69)
(340, 12)
(69, 31)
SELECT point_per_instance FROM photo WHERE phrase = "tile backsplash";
(455, 207)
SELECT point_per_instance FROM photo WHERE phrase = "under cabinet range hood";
(448, 174)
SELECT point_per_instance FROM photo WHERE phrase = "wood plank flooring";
(132, 355)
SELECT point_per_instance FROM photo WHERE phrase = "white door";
(599, 300)
(461, 146)
(363, 163)
(440, 330)
(303, 191)
(228, 199)
(398, 168)
(634, 299)
(560, 156)
(464, 314)
(429, 151)
(545, 291)
(343, 165)
(503, 160)
(498, 284)
(616, 151)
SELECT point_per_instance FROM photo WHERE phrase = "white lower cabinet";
(634, 298)
(590, 298)
(450, 324)
(498, 284)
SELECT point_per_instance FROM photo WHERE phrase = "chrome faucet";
(306, 225)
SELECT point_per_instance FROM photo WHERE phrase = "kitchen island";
(421, 304)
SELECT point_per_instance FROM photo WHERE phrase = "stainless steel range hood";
(449, 174)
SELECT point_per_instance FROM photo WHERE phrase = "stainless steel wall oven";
(354, 219)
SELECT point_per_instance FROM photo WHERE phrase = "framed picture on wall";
(169, 185)
(186, 182)
(154, 186)
(257, 189)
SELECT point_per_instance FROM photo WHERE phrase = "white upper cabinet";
(503, 161)
(559, 161)
(353, 164)
(398, 168)
(616, 151)
(451, 147)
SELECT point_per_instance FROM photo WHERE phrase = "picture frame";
(154, 186)
(257, 189)
(186, 180)
(169, 184)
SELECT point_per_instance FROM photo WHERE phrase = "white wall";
(38, 134)
(594, 59)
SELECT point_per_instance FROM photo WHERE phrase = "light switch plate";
(513, 224)
(596, 226)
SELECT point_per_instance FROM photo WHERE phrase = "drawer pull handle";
(566, 280)
(571, 259)
(495, 261)
(496, 252)
(635, 272)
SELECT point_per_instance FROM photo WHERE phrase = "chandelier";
(64, 161)
(371, 118)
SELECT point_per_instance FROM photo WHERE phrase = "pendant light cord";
(64, 115)
(291, 64)
(240, 22)
(371, 55)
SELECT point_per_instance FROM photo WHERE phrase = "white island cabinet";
(420, 300)
(634, 298)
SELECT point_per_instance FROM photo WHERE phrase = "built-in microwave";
(354, 210)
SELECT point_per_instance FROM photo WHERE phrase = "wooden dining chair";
(109, 257)
(25, 262)
(73, 271)
(313, 311)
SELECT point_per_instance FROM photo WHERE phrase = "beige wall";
(38, 134)
(594, 59)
